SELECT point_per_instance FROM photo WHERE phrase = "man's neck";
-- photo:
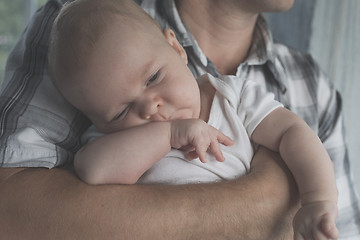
(223, 32)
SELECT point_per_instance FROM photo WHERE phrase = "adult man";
(60, 206)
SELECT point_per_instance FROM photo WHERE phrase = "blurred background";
(14, 15)
(328, 29)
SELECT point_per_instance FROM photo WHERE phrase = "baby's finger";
(298, 236)
(215, 149)
(328, 227)
(187, 148)
(191, 155)
(225, 140)
(316, 234)
(201, 152)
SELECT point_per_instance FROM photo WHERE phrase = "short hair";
(77, 29)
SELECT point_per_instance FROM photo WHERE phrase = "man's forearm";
(54, 204)
(279, 200)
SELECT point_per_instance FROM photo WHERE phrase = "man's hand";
(196, 137)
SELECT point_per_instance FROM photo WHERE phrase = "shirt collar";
(264, 52)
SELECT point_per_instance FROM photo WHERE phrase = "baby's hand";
(316, 221)
(197, 137)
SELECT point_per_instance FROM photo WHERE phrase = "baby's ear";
(172, 40)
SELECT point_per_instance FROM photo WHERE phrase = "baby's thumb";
(328, 227)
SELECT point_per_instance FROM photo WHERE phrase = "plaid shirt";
(38, 128)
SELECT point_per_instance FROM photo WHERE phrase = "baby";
(111, 61)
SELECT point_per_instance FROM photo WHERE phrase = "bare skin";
(60, 206)
(75, 210)
(228, 25)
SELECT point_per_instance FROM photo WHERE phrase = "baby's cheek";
(131, 120)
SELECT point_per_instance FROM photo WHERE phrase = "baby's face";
(135, 81)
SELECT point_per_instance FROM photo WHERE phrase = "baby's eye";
(152, 79)
(122, 114)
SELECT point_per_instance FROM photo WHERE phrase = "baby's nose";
(150, 107)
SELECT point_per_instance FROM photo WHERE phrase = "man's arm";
(54, 204)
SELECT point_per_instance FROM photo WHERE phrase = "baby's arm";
(122, 157)
(307, 159)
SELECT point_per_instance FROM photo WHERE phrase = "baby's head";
(111, 60)
(82, 26)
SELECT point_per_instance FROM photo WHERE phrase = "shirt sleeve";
(38, 127)
(250, 100)
(255, 103)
